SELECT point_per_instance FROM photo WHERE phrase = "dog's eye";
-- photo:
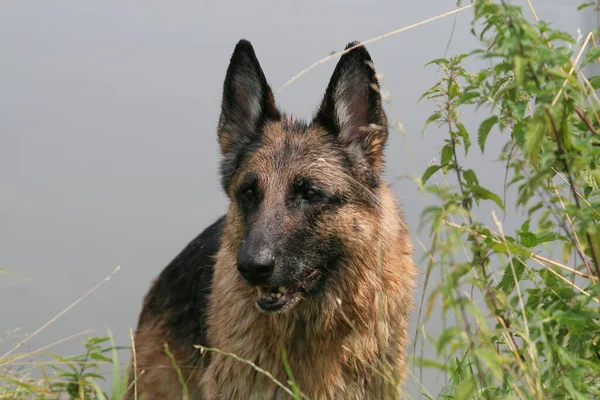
(312, 196)
(248, 193)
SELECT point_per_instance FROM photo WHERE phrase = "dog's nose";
(256, 267)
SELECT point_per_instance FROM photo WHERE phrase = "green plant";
(530, 326)
(75, 377)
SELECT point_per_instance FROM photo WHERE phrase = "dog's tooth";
(259, 290)
(278, 295)
(282, 289)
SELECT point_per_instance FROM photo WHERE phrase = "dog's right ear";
(352, 110)
(248, 101)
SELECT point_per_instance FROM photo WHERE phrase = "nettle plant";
(524, 305)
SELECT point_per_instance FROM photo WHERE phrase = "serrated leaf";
(437, 61)
(429, 93)
(429, 172)
(466, 97)
(511, 249)
(575, 320)
(591, 56)
(447, 153)
(548, 237)
(527, 239)
(525, 226)
(560, 35)
(507, 284)
(595, 82)
(453, 91)
(483, 193)
(588, 178)
(433, 117)
(584, 5)
(470, 177)
(518, 134)
(484, 130)
(462, 131)
(530, 239)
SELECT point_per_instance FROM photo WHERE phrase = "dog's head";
(302, 193)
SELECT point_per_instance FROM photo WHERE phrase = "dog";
(308, 279)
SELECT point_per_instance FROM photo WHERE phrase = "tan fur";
(339, 344)
(332, 348)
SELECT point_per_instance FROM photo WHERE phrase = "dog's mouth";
(284, 297)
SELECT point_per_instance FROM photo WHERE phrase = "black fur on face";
(289, 181)
(287, 229)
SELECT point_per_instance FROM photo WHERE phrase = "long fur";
(345, 340)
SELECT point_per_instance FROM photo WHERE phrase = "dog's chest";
(320, 368)
(269, 379)
(324, 357)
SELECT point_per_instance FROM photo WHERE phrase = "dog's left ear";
(352, 110)
(247, 100)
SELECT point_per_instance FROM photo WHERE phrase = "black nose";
(256, 266)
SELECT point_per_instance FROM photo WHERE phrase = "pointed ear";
(351, 108)
(247, 99)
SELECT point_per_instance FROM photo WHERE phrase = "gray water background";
(108, 151)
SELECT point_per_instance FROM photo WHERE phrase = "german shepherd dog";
(309, 275)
